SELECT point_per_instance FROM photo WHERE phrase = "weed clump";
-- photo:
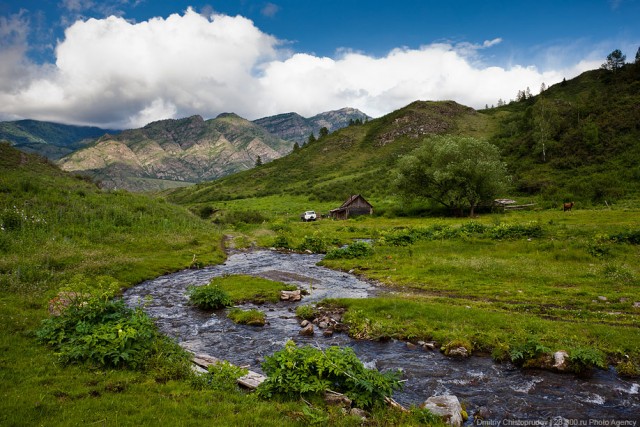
(209, 297)
(295, 372)
(354, 250)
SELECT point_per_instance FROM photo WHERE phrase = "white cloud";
(270, 10)
(114, 73)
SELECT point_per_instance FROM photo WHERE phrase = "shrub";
(209, 297)
(532, 349)
(281, 242)
(354, 250)
(314, 244)
(221, 376)
(632, 237)
(513, 231)
(307, 371)
(584, 359)
(100, 331)
(247, 317)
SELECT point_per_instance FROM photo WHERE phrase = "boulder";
(447, 407)
(292, 296)
(337, 399)
(307, 330)
(560, 360)
(360, 413)
(64, 299)
(304, 323)
(457, 352)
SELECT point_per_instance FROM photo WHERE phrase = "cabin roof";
(349, 201)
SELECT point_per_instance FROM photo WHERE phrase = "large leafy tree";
(615, 60)
(455, 171)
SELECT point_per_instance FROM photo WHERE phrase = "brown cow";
(567, 206)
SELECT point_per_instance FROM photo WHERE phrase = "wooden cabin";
(354, 206)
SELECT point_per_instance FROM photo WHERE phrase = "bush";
(532, 349)
(104, 332)
(307, 371)
(631, 237)
(584, 359)
(221, 376)
(513, 231)
(354, 250)
(248, 317)
(314, 244)
(281, 242)
(209, 297)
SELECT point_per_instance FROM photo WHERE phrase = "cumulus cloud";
(114, 73)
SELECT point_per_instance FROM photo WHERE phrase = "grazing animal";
(567, 206)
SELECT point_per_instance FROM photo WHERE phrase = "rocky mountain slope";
(294, 127)
(171, 153)
(51, 140)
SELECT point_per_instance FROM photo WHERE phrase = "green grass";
(461, 279)
(247, 317)
(242, 288)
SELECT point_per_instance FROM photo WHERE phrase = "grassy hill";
(579, 140)
(52, 140)
(356, 159)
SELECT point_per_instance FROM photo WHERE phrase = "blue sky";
(122, 63)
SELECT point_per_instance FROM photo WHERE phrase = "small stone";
(337, 399)
(602, 298)
(482, 413)
(328, 332)
(307, 331)
(421, 343)
(560, 359)
(624, 299)
(357, 412)
(290, 295)
(304, 323)
(447, 407)
(323, 325)
(411, 346)
(458, 352)
(429, 346)
(636, 304)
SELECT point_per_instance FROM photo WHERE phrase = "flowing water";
(504, 391)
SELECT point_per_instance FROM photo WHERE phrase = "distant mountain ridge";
(51, 140)
(176, 152)
(294, 127)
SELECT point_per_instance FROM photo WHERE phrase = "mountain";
(578, 140)
(355, 159)
(293, 127)
(172, 152)
(51, 140)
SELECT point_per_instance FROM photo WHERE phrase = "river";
(504, 391)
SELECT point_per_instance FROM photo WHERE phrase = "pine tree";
(258, 161)
(311, 139)
(615, 60)
(638, 56)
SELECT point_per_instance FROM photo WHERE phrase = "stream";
(504, 391)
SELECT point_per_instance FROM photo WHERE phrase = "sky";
(123, 63)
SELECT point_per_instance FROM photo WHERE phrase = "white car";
(308, 216)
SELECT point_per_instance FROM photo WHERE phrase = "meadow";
(496, 283)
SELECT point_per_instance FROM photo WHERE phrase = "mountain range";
(174, 152)
(294, 127)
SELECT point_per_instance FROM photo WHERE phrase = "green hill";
(578, 140)
(52, 140)
(356, 159)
